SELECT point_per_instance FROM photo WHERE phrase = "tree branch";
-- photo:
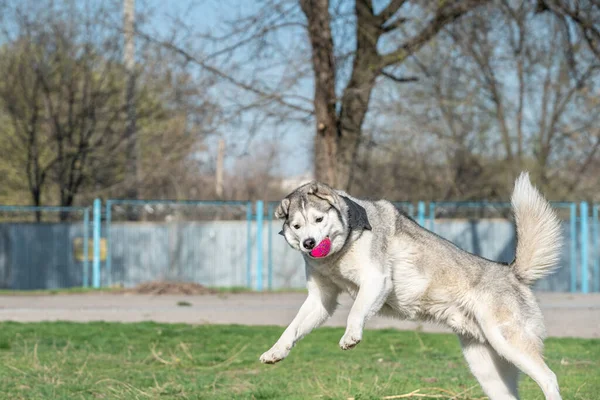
(393, 25)
(217, 72)
(590, 30)
(390, 10)
(449, 12)
(399, 79)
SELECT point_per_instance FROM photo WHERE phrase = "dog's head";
(317, 219)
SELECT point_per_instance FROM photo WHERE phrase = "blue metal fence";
(596, 247)
(97, 238)
(584, 247)
(208, 242)
(489, 222)
(236, 243)
(51, 253)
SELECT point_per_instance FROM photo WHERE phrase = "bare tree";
(353, 47)
(504, 90)
(480, 89)
(343, 137)
(254, 177)
(536, 117)
(63, 96)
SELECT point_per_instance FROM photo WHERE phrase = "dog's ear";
(324, 192)
(282, 210)
(357, 216)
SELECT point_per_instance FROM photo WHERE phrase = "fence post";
(108, 262)
(421, 213)
(431, 215)
(259, 245)
(270, 245)
(584, 247)
(573, 229)
(595, 244)
(86, 247)
(96, 263)
(249, 247)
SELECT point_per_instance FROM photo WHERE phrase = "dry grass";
(151, 361)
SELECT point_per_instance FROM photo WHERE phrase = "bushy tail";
(539, 236)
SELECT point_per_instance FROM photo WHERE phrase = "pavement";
(566, 315)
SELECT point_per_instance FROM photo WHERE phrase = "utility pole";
(219, 171)
(132, 180)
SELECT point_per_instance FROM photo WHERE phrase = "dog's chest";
(344, 276)
(347, 272)
(350, 286)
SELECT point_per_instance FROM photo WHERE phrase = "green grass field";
(148, 361)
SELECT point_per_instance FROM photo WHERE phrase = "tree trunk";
(66, 200)
(319, 32)
(356, 97)
(37, 202)
(338, 136)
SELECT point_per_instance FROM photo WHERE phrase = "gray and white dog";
(392, 266)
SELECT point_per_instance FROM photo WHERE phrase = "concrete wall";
(35, 256)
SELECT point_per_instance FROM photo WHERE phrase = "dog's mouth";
(322, 249)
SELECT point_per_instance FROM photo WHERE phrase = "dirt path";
(566, 314)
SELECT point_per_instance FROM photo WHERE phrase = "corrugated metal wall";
(37, 256)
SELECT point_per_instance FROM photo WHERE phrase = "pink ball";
(322, 249)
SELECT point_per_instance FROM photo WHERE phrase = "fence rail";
(236, 243)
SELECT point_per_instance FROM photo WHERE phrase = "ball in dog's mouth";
(322, 249)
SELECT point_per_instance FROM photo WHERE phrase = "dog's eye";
(320, 219)
(296, 226)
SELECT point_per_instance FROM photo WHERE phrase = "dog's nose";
(309, 243)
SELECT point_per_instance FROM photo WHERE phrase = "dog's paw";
(350, 340)
(275, 354)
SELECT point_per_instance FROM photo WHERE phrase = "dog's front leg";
(316, 309)
(373, 292)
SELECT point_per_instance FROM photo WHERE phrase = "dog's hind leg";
(512, 342)
(497, 377)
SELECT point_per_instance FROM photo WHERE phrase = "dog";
(392, 266)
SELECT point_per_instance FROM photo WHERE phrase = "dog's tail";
(539, 238)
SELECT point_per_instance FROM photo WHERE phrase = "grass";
(61, 360)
